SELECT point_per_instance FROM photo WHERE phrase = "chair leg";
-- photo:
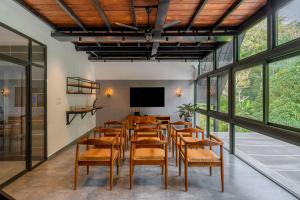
(210, 171)
(179, 166)
(111, 176)
(186, 176)
(75, 176)
(118, 164)
(166, 175)
(176, 148)
(222, 177)
(87, 170)
(130, 176)
(172, 148)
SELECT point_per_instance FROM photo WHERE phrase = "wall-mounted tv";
(147, 97)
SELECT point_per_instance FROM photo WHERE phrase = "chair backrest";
(191, 131)
(108, 131)
(97, 142)
(145, 132)
(114, 124)
(148, 124)
(181, 123)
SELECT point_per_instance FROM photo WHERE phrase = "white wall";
(63, 61)
(145, 70)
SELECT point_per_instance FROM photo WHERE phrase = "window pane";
(221, 130)
(225, 55)
(249, 93)
(213, 93)
(223, 93)
(254, 40)
(38, 56)
(201, 121)
(12, 44)
(288, 22)
(207, 64)
(202, 93)
(284, 83)
(12, 120)
(38, 114)
(273, 157)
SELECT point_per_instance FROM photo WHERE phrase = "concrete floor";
(54, 180)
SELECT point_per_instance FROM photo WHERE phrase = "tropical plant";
(187, 110)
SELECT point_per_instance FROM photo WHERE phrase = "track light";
(123, 39)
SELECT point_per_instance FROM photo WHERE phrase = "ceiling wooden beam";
(133, 16)
(162, 11)
(102, 14)
(196, 14)
(232, 8)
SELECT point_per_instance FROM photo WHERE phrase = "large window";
(225, 54)
(221, 130)
(288, 22)
(201, 121)
(223, 93)
(284, 92)
(202, 93)
(207, 64)
(249, 93)
(213, 94)
(254, 40)
(277, 159)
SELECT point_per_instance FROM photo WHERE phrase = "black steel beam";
(102, 14)
(70, 12)
(226, 14)
(196, 14)
(133, 16)
(137, 49)
(162, 10)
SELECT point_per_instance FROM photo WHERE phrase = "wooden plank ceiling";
(120, 11)
(193, 15)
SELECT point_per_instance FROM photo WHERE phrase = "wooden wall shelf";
(82, 112)
(77, 85)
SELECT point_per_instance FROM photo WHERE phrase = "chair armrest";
(215, 138)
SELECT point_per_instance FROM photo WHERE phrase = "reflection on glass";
(221, 130)
(38, 114)
(38, 56)
(213, 93)
(202, 93)
(249, 93)
(277, 159)
(223, 93)
(13, 45)
(201, 121)
(254, 40)
(284, 99)
(12, 120)
(288, 22)
(207, 64)
(225, 54)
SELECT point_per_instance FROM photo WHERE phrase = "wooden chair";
(119, 124)
(188, 134)
(196, 154)
(171, 131)
(149, 152)
(100, 155)
(149, 125)
(106, 134)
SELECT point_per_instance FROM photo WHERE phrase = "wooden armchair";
(171, 131)
(119, 124)
(188, 134)
(196, 154)
(149, 152)
(100, 156)
(106, 134)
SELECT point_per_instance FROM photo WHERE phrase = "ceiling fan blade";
(171, 24)
(127, 26)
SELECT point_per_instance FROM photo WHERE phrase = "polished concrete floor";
(54, 180)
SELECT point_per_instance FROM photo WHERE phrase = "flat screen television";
(147, 97)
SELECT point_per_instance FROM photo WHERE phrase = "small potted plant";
(187, 111)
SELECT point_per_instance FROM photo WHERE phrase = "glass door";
(12, 120)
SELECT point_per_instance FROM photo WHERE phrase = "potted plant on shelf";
(187, 111)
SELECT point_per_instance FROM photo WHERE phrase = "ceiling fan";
(148, 29)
